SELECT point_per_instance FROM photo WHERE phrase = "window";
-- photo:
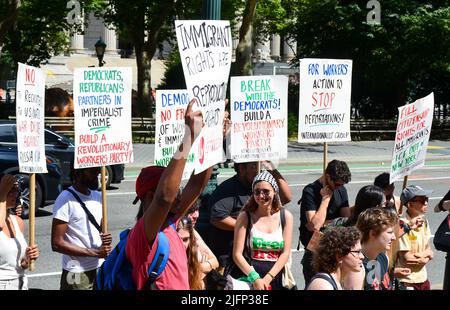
(50, 138)
(8, 134)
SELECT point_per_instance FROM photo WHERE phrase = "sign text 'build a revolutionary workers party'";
(102, 109)
(205, 50)
(30, 119)
(411, 138)
(170, 108)
(259, 118)
(325, 94)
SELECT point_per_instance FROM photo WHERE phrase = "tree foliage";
(393, 62)
(38, 31)
(148, 23)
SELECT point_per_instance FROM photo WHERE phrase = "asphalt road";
(121, 213)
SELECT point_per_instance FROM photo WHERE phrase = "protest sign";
(30, 119)
(325, 94)
(102, 109)
(205, 51)
(169, 131)
(259, 118)
(411, 138)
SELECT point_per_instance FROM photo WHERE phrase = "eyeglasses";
(419, 199)
(258, 191)
(356, 253)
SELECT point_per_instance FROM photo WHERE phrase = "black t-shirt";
(311, 200)
(227, 200)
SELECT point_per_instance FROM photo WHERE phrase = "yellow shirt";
(415, 241)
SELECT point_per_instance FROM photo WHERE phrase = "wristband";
(253, 276)
(271, 275)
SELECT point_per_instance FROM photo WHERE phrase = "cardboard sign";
(102, 110)
(205, 50)
(30, 119)
(411, 138)
(325, 94)
(169, 130)
(259, 118)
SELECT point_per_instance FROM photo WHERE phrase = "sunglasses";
(264, 191)
(419, 199)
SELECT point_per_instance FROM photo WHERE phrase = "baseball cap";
(148, 179)
(412, 191)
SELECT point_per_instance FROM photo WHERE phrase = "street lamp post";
(211, 9)
(100, 47)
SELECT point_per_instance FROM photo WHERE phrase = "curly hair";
(194, 268)
(338, 171)
(376, 219)
(336, 242)
(369, 196)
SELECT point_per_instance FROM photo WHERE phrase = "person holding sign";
(76, 231)
(321, 202)
(15, 254)
(414, 246)
(162, 204)
(382, 181)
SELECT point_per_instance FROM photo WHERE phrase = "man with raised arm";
(162, 206)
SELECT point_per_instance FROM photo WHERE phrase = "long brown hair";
(252, 206)
(194, 268)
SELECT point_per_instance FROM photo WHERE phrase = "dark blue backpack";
(115, 272)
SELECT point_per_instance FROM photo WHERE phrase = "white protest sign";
(30, 119)
(205, 50)
(259, 118)
(411, 138)
(169, 131)
(102, 109)
(325, 94)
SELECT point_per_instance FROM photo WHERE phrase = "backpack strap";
(283, 218)
(247, 247)
(88, 213)
(160, 258)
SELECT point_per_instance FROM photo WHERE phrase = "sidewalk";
(367, 152)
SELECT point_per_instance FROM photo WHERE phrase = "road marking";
(435, 147)
(227, 174)
(48, 274)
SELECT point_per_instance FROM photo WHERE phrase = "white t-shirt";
(80, 230)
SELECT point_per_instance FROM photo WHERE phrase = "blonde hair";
(194, 267)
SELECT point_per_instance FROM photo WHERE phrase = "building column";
(289, 49)
(110, 39)
(262, 51)
(77, 42)
(275, 47)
